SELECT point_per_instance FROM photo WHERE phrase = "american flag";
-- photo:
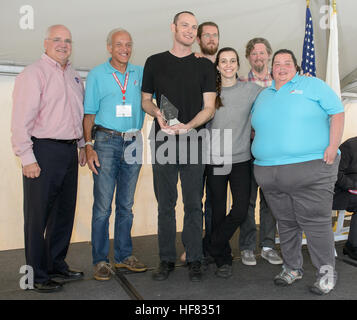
(308, 52)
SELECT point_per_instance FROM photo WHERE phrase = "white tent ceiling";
(280, 21)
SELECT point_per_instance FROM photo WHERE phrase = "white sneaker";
(248, 258)
(271, 256)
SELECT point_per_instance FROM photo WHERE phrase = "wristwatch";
(90, 143)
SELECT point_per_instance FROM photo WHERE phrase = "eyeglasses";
(59, 40)
(210, 35)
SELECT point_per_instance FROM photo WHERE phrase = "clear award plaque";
(169, 111)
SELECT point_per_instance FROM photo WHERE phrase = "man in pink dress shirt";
(46, 130)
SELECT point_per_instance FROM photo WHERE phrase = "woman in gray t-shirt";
(230, 157)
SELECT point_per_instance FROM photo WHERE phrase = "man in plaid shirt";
(258, 52)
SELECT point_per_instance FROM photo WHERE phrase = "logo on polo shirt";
(77, 79)
(297, 92)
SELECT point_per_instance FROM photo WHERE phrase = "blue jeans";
(114, 173)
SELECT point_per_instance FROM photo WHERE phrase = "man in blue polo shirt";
(113, 108)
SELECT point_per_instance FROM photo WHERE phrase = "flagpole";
(332, 72)
(333, 6)
(308, 3)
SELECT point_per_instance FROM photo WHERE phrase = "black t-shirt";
(181, 80)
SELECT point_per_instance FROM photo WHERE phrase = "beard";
(259, 68)
(208, 50)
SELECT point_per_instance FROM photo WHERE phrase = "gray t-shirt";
(230, 129)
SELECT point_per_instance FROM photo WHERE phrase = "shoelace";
(108, 266)
(249, 254)
(291, 275)
(272, 253)
(132, 259)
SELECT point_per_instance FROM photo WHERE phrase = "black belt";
(114, 132)
(73, 141)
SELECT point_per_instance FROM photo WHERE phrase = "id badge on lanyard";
(124, 109)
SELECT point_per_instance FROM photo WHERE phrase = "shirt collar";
(293, 80)
(251, 74)
(53, 62)
(111, 69)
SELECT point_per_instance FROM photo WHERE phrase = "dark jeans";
(49, 207)
(165, 188)
(223, 225)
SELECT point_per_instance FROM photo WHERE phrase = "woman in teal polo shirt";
(298, 124)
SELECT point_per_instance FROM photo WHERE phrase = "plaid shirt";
(266, 82)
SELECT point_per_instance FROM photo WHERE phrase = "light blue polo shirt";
(292, 124)
(103, 94)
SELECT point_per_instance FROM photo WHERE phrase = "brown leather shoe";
(102, 271)
(131, 263)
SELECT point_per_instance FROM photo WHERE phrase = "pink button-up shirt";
(47, 103)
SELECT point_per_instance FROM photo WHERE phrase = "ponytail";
(218, 102)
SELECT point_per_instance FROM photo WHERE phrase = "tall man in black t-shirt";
(188, 83)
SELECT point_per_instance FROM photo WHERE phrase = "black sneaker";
(194, 271)
(224, 271)
(162, 272)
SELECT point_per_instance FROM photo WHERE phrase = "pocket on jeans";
(101, 137)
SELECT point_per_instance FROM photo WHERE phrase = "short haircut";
(208, 23)
(177, 15)
(251, 43)
(49, 29)
(110, 34)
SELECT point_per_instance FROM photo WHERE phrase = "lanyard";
(123, 89)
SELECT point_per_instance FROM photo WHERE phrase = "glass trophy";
(169, 111)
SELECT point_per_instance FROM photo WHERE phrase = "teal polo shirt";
(103, 94)
(292, 124)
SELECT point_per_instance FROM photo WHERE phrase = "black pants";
(223, 225)
(165, 186)
(49, 206)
